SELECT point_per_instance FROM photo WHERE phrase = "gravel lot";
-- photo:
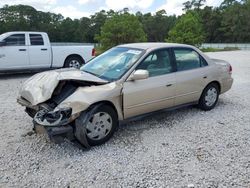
(181, 148)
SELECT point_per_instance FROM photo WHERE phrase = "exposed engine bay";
(47, 114)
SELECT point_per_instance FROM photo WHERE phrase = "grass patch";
(219, 50)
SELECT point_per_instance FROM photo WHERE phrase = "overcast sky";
(80, 8)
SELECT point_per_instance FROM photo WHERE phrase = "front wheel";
(209, 97)
(100, 124)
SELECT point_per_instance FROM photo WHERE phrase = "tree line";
(227, 23)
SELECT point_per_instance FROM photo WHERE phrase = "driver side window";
(15, 40)
(157, 63)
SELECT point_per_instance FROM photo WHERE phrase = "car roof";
(153, 45)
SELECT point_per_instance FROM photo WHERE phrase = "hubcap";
(99, 126)
(74, 64)
(211, 96)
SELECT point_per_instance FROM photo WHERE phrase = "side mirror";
(2, 43)
(139, 75)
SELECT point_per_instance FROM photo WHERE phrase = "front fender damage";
(59, 126)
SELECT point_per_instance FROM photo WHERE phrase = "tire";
(209, 97)
(100, 125)
(73, 61)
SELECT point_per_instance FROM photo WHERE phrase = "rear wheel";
(73, 61)
(100, 125)
(209, 97)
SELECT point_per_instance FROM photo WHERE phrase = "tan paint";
(148, 95)
(129, 97)
(83, 97)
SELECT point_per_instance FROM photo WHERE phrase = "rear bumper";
(226, 85)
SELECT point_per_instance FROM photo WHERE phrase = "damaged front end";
(58, 124)
(42, 97)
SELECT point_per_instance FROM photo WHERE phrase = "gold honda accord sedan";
(126, 81)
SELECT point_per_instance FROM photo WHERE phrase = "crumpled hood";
(40, 87)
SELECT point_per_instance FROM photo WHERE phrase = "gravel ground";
(181, 148)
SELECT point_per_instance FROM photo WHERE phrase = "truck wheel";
(100, 124)
(209, 97)
(73, 61)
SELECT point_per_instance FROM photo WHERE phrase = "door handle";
(22, 50)
(169, 85)
(205, 77)
(44, 49)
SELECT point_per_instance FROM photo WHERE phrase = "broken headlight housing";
(57, 117)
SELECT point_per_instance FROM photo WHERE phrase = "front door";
(14, 55)
(156, 92)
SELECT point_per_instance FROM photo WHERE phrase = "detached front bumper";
(56, 134)
(55, 124)
(58, 125)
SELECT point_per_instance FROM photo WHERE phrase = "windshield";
(112, 64)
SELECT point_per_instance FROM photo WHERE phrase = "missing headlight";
(53, 118)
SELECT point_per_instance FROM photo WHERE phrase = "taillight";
(230, 69)
(93, 52)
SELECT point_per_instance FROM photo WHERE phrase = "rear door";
(156, 92)
(14, 55)
(191, 75)
(39, 51)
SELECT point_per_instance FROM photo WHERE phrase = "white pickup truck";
(33, 50)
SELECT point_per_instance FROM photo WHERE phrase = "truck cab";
(24, 50)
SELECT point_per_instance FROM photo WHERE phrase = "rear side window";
(15, 40)
(187, 59)
(36, 39)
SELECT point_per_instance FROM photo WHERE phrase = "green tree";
(188, 30)
(227, 3)
(235, 24)
(193, 4)
(121, 28)
(97, 21)
(211, 21)
(84, 30)
(198, 4)
(18, 17)
(50, 23)
(157, 26)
